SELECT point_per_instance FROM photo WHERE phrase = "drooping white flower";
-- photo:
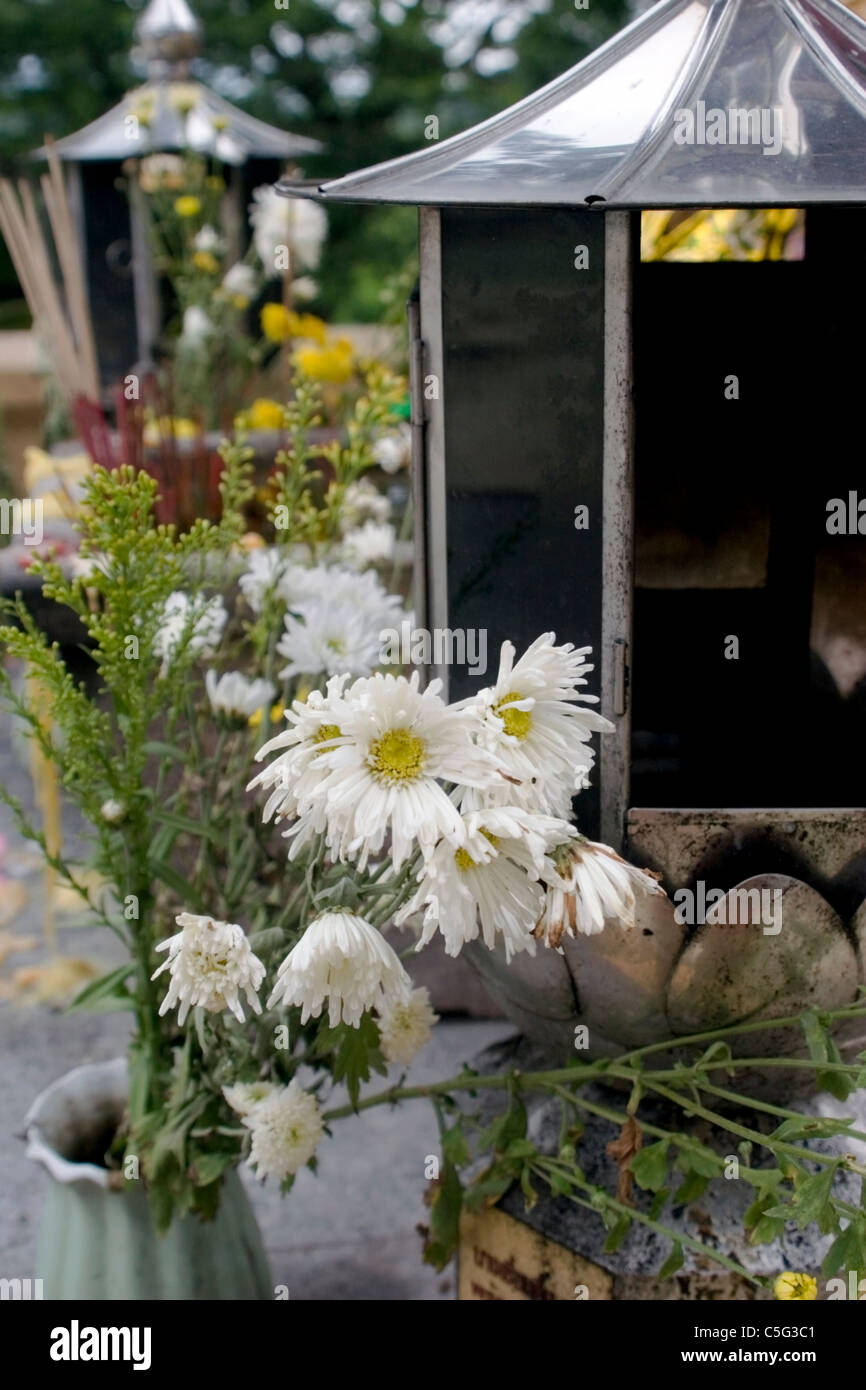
(362, 500)
(587, 885)
(393, 450)
(341, 960)
(405, 1025)
(241, 280)
(297, 223)
(382, 776)
(487, 880)
(370, 544)
(235, 695)
(199, 620)
(243, 1097)
(196, 326)
(208, 239)
(210, 964)
(112, 811)
(285, 1130)
(534, 721)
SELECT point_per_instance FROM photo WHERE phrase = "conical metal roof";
(699, 103)
(179, 116)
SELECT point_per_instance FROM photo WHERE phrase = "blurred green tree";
(360, 75)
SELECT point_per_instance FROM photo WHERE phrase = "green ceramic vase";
(98, 1243)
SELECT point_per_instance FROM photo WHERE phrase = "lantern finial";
(170, 36)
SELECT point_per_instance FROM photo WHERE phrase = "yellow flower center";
(327, 732)
(516, 722)
(398, 756)
(464, 860)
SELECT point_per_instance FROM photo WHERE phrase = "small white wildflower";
(112, 811)
(285, 1128)
(196, 326)
(208, 239)
(392, 452)
(210, 964)
(370, 544)
(202, 619)
(240, 280)
(405, 1026)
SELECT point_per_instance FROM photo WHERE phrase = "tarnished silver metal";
(435, 579)
(168, 31)
(699, 103)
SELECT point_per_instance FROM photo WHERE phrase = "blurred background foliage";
(359, 75)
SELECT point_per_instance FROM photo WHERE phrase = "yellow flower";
(240, 301)
(142, 110)
(220, 122)
(207, 261)
(277, 712)
(156, 430)
(308, 326)
(183, 96)
(188, 205)
(333, 364)
(263, 414)
(276, 323)
(796, 1286)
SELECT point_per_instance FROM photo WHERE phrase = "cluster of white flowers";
(284, 1123)
(236, 696)
(295, 223)
(195, 622)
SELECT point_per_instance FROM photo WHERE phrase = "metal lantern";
(647, 457)
(153, 119)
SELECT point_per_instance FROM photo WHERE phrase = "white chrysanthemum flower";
(383, 774)
(405, 1025)
(243, 1097)
(339, 585)
(394, 450)
(112, 811)
(304, 288)
(196, 326)
(589, 884)
(370, 544)
(362, 500)
(294, 222)
(208, 239)
(235, 695)
(285, 1130)
(265, 569)
(488, 880)
(241, 280)
(340, 959)
(210, 964)
(198, 619)
(533, 721)
(292, 775)
(326, 638)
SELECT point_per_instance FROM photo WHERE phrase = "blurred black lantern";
(643, 455)
(171, 111)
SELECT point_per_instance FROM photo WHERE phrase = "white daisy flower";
(370, 544)
(304, 289)
(340, 585)
(112, 811)
(587, 885)
(235, 695)
(285, 1130)
(340, 959)
(405, 1026)
(311, 733)
(394, 450)
(196, 326)
(383, 775)
(489, 880)
(208, 239)
(325, 638)
(240, 280)
(264, 571)
(533, 721)
(198, 620)
(363, 500)
(243, 1097)
(294, 222)
(210, 964)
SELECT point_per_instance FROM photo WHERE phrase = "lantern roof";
(172, 111)
(699, 103)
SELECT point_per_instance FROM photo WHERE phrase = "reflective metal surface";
(707, 103)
